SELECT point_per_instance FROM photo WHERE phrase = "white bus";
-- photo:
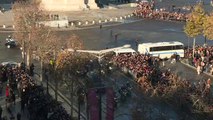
(162, 49)
(124, 51)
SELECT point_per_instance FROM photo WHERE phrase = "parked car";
(10, 42)
(10, 64)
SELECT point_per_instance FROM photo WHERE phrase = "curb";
(77, 28)
(85, 23)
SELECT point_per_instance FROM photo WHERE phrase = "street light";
(23, 51)
(81, 94)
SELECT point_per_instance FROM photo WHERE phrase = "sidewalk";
(14, 108)
(65, 102)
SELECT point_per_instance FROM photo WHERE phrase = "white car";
(10, 63)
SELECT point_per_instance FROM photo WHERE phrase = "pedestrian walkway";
(185, 72)
(13, 109)
(10, 112)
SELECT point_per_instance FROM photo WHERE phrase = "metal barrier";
(65, 99)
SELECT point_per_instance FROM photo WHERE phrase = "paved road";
(8, 54)
(144, 31)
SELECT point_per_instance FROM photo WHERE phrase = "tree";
(194, 24)
(72, 65)
(74, 42)
(208, 27)
(35, 38)
(46, 46)
(27, 15)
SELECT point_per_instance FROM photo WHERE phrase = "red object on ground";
(93, 105)
(110, 104)
(7, 91)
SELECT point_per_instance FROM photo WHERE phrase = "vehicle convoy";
(160, 49)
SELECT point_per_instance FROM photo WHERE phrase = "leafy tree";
(35, 38)
(74, 42)
(194, 24)
(208, 27)
(27, 16)
(72, 65)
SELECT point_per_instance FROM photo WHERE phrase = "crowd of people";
(147, 10)
(202, 59)
(139, 64)
(39, 105)
(155, 82)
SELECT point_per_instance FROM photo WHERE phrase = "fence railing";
(64, 98)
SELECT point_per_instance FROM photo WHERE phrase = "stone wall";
(67, 5)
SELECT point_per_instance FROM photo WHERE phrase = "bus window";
(161, 48)
(178, 47)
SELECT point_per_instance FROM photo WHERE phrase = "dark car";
(11, 43)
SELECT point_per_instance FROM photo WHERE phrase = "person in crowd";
(23, 67)
(7, 93)
(13, 97)
(198, 69)
(1, 110)
(202, 57)
(18, 116)
(111, 33)
(32, 69)
(23, 100)
(19, 88)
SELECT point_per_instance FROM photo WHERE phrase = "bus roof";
(125, 50)
(161, 44)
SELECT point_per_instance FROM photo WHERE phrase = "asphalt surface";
(8, 54)
(144, 31)
(96, 38)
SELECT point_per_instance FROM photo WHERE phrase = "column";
(92, 4)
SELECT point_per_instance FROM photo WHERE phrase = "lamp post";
(81, 95)
(47, 79)
(23, 51)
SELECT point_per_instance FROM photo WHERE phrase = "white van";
(124, 51)
(162, 49)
